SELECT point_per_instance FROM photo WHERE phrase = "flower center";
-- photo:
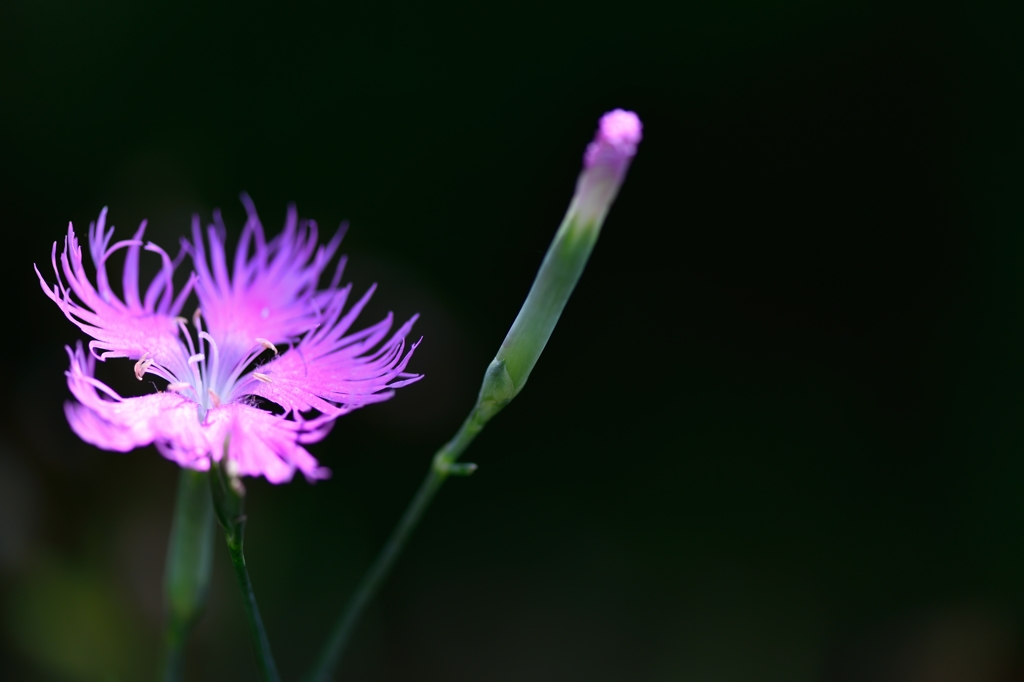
(203, 372)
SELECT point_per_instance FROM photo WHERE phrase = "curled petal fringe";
(334, 373)
(271, 291)
(133, 328)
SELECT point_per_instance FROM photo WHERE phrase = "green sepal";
(496, 391)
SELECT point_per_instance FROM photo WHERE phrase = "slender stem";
(228, 495)
(173, 662)
(187, 570)
(257, 635)
(443, 466)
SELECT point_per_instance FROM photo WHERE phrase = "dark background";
(776, 436)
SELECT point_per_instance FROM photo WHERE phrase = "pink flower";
(264, 332)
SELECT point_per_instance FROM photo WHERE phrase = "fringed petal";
(105, 419)
(271, 292)
(264, 444)
(336, 373)
(131, 328)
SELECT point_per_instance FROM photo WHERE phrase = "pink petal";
(334, 373)
(271, 292)
(106, 420)
(119, 328)
(262, 444)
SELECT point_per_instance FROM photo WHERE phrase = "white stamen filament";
(193, 362)
(214, 366)
(214, 398)
(178, 388)
(265, 345)
(262, 377)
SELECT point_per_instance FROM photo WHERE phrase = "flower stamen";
(267, 344)
(141, 366)
(262, 377)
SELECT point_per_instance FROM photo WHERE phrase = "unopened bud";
(605, 163)
(189, 552)
(604, 166)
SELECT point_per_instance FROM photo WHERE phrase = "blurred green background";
(777, 435)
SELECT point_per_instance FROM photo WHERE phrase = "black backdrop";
(777, 435)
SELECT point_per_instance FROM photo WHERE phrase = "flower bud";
(605, 163)
(604, 166)
(189, 553)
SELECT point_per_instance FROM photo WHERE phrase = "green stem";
(187, 571)
(173, 657)
(228, 496)
(257, 635)
(443, 466)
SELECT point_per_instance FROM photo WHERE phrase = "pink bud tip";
(618, 134)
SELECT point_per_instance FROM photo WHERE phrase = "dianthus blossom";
(264, 334)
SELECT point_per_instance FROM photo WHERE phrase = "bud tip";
(618, 134)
